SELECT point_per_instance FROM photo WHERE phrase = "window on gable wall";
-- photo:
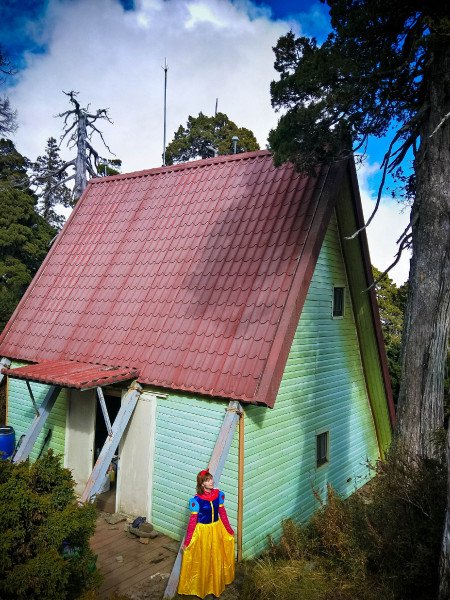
(322, 455)
(338, 302)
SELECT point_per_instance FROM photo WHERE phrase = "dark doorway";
(106, 500)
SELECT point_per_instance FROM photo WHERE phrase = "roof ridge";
(201, 163)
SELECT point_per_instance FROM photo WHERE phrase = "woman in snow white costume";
(208, 549)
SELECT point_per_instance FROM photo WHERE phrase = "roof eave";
(360, 223)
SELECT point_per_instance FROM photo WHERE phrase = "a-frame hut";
(173, 291)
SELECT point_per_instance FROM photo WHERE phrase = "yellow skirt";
(208, 561)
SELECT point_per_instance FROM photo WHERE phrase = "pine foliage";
(44, 546)
(24, 234)
(371, 72)
(392, 303)
(204, 136)
(47, 179)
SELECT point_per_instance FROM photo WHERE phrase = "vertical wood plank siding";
(186, 432)
(21, 413)
(323, 389)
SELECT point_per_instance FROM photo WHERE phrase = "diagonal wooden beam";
(223, 444)
(38, 423)
(216, 464)
(30, 391)
(97, 476)
(101, 399)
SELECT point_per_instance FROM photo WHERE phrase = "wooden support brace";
(222, 447)
(30, 391)
(98, 474)
(4, 362)
(38, 423)
(215, 466)
(101, 399)
(240, 509)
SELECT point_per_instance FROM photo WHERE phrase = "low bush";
(383, 542)
(44, 540)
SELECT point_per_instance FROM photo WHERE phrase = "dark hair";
(201, 478)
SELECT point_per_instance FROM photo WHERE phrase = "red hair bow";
(204, 472)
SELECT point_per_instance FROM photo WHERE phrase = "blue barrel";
(7, 441)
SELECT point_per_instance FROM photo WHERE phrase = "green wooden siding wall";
(21, 413)
(323, 389)
(186, 431)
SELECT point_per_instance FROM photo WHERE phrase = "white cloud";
(389, 222)
(214, 48)
(201, 13)
(114, 58)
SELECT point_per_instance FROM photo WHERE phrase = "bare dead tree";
(78, 129)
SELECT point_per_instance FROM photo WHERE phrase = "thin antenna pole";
(217, 102)
(165, 68)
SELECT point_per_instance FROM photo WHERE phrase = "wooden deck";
(127, 565)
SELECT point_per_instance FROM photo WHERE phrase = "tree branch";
(63, 181)
(380, 190)
(67, 131)
(102, 138)
(66, 165)
(91, 171)
(388, 166)
(406, 243)
(439, 125)
(408, 227)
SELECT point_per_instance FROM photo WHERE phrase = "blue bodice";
(208, 510)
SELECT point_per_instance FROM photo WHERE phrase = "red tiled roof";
(68, 373)
(193, 274)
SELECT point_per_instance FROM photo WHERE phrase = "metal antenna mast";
(165, 69)
(217, 102)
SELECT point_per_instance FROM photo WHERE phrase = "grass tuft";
(383, 542)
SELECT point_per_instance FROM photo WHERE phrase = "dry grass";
(380, 544)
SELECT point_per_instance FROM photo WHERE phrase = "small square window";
(338, 302)
(322, 448)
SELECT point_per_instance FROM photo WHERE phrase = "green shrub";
(382, 542)
(44, 541)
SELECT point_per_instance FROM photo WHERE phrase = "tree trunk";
(427, 319)
(80, 165)
(444, 567)
(426, 330)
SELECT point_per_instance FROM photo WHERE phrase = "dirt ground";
(111, 539)
(154, 590)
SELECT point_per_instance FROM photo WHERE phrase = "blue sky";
(111, 51)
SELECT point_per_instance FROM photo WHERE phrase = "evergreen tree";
(391, 302)
(386, 67)
(47, 178)
(13, 166)
(386, 64)
(24, 234)
(108, 166)
(203, 137)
